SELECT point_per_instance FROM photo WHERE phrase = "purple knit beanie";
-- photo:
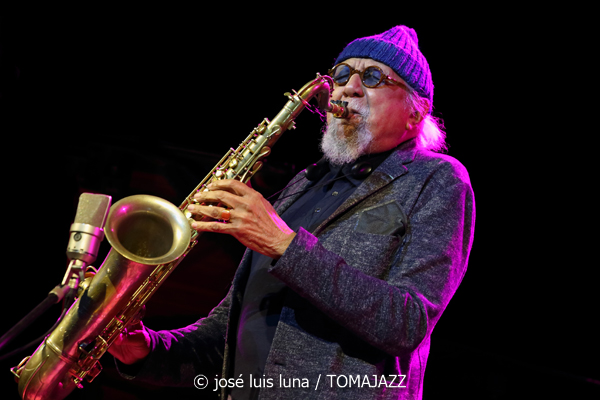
(397, 48)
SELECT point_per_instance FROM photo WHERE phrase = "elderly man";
(345, 278)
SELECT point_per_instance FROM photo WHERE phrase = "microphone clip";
(82, 250)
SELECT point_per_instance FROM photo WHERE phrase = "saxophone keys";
(138, 315)
(94, 371)
(262, 127)
(77, 383)
(256, 167)
(264, 152)
(17, 370)
(276, 130)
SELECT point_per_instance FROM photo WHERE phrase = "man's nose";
(354, 87)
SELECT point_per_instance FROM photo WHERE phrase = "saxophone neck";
(321, 88)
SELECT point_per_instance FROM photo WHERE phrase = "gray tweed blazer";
(368, 286)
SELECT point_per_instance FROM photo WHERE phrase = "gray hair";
(431, 134)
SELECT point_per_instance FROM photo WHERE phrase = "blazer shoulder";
(442, 165)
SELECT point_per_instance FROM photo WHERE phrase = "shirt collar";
(374, 160)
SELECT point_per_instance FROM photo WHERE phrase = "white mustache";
(356, 106)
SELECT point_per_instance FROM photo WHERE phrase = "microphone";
(86, 235)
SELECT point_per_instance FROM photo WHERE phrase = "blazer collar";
(296, 188)
(390, 169)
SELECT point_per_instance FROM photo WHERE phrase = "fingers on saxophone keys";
(214, 195)
(202, 197)
(219, 213)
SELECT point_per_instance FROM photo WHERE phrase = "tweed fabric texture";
(363, 303)
(398, 48)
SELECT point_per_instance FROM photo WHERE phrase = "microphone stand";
(66, 290)
(56, 295)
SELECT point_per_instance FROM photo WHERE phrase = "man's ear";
(417, 116)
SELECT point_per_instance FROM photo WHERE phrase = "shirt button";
(334, 193)
(317, 209)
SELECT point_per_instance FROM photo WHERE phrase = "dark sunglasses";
(371, 77)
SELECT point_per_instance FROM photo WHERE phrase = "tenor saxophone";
(149, 237)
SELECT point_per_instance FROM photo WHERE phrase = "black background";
(146, 99)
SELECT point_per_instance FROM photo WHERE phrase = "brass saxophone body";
(149, 238)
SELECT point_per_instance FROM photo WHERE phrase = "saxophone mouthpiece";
(339, 108)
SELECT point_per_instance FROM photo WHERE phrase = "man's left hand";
(251, 219)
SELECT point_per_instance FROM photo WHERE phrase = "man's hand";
(132, 345)
(252, 219)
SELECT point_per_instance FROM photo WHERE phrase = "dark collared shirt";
(264, 294)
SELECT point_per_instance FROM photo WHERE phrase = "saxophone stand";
(73, 276)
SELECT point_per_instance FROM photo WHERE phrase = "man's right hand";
(132, 345)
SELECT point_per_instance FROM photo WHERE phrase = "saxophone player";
(347, 274)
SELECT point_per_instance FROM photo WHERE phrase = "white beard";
(344, 143)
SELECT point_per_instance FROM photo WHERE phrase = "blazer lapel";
(294, 192)
(390, 169)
